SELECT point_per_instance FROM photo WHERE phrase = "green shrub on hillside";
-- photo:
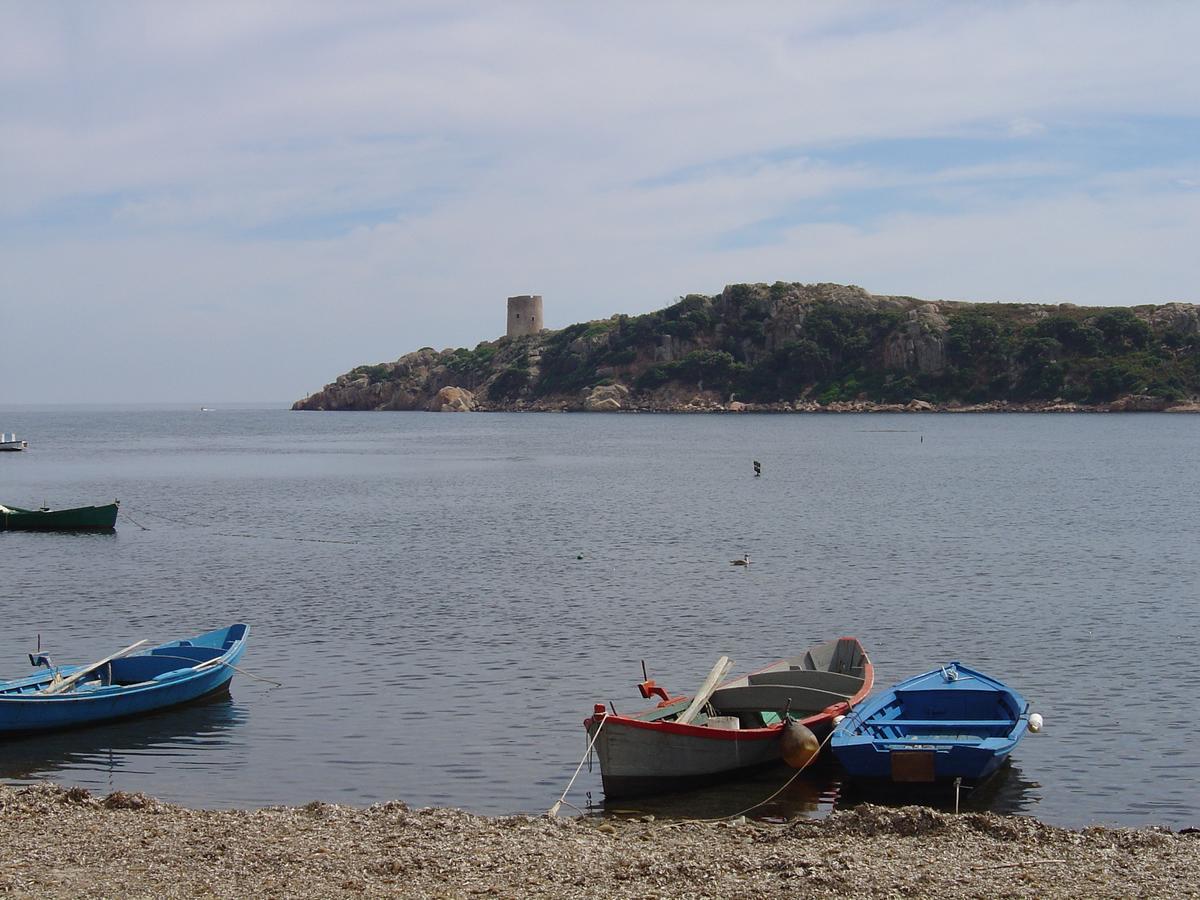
(375, 374)
(477, 360)
(509, 384)
(992, 352)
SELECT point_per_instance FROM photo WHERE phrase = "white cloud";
(1023, 127)
(340, 183)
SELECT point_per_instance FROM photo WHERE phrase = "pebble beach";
(65, 842)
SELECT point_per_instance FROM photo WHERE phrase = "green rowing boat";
(84, 518)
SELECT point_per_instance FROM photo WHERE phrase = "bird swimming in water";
(744, 561)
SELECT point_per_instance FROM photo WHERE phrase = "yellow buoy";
(797, 745)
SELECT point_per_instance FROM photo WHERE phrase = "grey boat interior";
(801, 686)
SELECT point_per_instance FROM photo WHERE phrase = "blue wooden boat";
(952, 722)
(127, 683)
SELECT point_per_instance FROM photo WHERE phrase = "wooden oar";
(68, 682)
(718, 673)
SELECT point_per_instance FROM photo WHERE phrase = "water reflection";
(461, 636)
(1006, 792)
(817, 792)
(107, 750)
(807, 796)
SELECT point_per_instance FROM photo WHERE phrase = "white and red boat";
(727, 727)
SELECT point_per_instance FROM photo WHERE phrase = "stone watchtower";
(524, 315)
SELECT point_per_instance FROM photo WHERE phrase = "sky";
(218, 201)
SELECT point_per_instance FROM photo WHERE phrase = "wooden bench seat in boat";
(979, 729)
(846, 685)
(756, 698)
(952, 723)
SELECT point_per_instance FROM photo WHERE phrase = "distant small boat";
(725, 729)
(83, 518)
(952, 722)
(10, 442)
(121, 685)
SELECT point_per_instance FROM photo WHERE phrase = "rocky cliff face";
(807, 346)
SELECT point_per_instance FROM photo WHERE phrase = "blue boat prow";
(952, 722)
(167, 675)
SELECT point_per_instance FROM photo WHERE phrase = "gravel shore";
(57, 842)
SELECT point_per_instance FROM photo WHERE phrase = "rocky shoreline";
(618, 398)
(615, 398)
(63, 842)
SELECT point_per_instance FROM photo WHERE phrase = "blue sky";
(220, 201)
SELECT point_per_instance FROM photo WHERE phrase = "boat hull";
(25, 710)
(638, 761)
(922, 762)
(84, 518)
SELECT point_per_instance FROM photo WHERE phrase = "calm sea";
(415, 583)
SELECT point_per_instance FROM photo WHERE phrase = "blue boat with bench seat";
(130, 682)
(952, 722)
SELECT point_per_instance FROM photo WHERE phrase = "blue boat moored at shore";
(128, 683)
(952, 722)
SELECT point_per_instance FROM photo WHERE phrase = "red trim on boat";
(720, 734)
(747, 734)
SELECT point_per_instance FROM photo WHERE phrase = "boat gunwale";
(50, 512)
(750, 734)
(211, 665)
(863, 728)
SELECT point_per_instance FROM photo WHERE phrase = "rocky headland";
(58, 842)
(809, 348)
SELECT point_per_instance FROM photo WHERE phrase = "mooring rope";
(781, 789)
(261, 537)
(126, 515)
(553, 811)
(252, 675)
(273, 537)
(169, 519)
(213, 663)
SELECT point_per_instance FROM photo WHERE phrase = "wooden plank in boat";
(911, 766)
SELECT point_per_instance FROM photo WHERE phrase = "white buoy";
(1035, 723)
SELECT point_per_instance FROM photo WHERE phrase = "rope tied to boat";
(242, 671)
(561, 801)
(125, 515)
(215, 661)
(261, 537)
(799, 771)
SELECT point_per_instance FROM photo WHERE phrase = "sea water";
(443, 598)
